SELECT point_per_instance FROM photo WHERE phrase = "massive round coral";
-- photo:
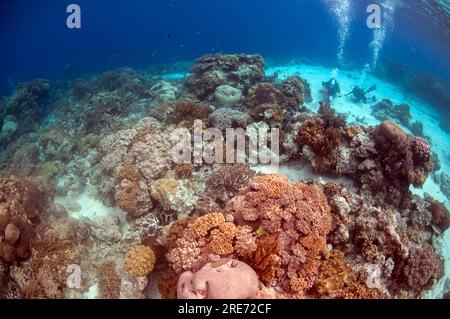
(222, 279)
(140, 261)
(21, 204)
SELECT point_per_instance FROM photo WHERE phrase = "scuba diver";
(330, 89)
(359, 94)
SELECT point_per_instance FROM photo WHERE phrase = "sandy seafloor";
(356, 113)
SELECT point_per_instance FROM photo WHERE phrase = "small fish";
(174, 3)
(168, 35)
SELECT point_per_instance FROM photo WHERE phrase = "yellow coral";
(140, 261)
(217, 231)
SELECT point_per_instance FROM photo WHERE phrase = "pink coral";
(222, 279)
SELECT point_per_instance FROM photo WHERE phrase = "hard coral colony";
(107, 197)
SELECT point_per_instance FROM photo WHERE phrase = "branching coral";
(45, 273)
(134, 197)
(140, 261)
(184, 112)
(322, 135)
(226, 181)
(184, 171)
(108, 281)
(319, 139)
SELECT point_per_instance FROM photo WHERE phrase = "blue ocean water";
(35, 41)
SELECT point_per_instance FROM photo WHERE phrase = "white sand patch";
(86, 205)
(174, 76)
(92, 293)
(360, 113)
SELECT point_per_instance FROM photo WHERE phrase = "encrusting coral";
(21, 204)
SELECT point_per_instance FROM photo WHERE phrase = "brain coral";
(227, 95)
(222, 279)
(140, 261)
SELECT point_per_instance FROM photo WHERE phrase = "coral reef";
(94, 186)
(413, 154)
(212, 71)
(296, 88)
(382, 158)
(225, 182)
(27, 103)
(208, 236)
